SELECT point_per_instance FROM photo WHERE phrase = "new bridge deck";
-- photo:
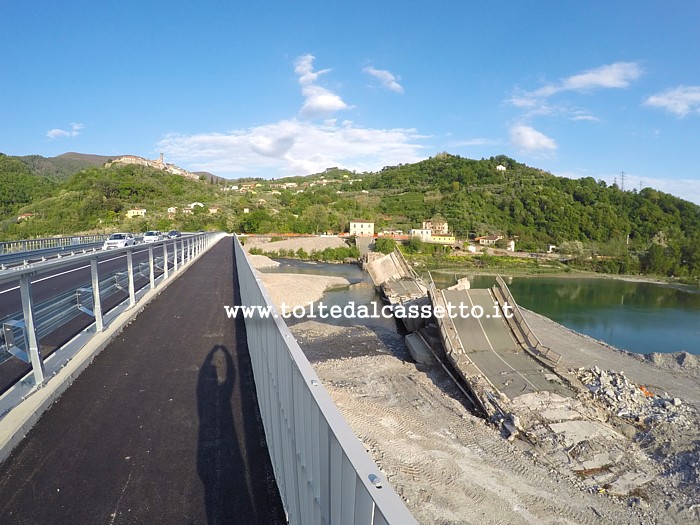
(163, 427)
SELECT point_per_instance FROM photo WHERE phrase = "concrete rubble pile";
(631, 401)
(573, 436)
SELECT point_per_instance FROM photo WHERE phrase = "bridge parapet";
(323, 472)
(520, 326)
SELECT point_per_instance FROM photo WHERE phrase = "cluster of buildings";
(172, 211)
(436, 231)
(433, 231)
(276, 187)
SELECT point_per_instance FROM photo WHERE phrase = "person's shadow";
(219, 461)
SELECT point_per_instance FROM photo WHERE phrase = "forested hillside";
(97, 199)
(628, 231)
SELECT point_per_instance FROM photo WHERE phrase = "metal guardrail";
(323, 472)
(53, 313)
(21, 331)
(26, 257)
(49, 242)
(531, 339)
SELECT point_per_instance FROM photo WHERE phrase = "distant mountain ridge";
(62, 166)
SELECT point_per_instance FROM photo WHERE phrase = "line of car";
(124, 239)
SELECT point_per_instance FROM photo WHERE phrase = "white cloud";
(617, 75)
(297, 146)
(72, 132)
(386, 79)
(585, 117)
(612, 76)
(681, 100)
(294, 147)
(528, 139)
(319, 101)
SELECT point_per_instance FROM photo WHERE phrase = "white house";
(424, 234)
(361, 228)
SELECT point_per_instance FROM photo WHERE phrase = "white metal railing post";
(130, 274)
(182, 251)
(151, 267)
(30, 334)
(96, 302)
(175, 255)
(165, 262)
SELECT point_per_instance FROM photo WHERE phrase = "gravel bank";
(262, 261)
(448, 465)
(292, 289)
(308, 244)
(676, 374)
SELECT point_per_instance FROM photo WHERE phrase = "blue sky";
(274, 88)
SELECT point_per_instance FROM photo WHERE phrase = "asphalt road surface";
(163, 426)
(491, 347)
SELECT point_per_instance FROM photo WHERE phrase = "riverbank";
(517, 266)
(571, 274)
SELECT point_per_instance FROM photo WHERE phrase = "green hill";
(601, 226)
(97, 199)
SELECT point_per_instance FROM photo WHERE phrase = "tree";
(317, 217)
(384, 245)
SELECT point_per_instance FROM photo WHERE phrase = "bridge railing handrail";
(323, 472)
(24, 245)
(532, 340)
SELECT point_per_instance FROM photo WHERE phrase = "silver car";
(119, 240)
(153, 236)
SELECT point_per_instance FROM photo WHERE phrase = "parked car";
(152, 236)
(174, 234)
(119, 240)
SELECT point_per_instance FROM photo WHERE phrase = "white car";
(119, 240)
(152, 236)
